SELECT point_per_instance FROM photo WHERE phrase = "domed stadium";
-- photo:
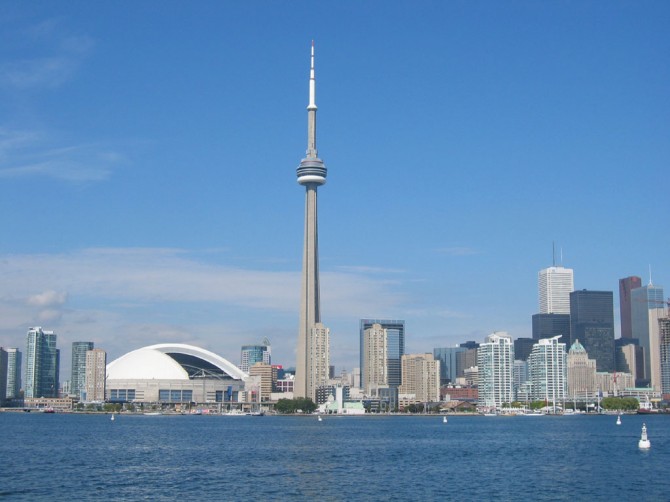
(173, 373)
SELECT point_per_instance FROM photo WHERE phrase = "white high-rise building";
(375, 357)
(547, 367)
(495, 363)
(555, 285)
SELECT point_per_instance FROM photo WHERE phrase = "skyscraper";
(626, 286)
(420, 377)
(78, 375)
(647, 306)
(592, 323)
(42, 364)
(13, 372)
(95, 366)
(375, 358)
(395, 347)
(581, 371)
(252, 354)
(448, 357)
(495, 363)
(3, 376)
(664, 341)
(551, 325)
(555, 285)
(311, 174)
(547, 368)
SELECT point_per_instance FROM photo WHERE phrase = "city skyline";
(145, 172)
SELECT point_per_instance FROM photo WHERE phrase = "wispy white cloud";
(57, 57)
(132, 297)
(33, 153)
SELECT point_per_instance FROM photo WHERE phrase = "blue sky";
(148, 153)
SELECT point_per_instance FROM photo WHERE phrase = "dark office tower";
(592, 323)
(395, 332)
(551, 325)
(626, 285)
(523, 347)
(448, 357)
(629, 358)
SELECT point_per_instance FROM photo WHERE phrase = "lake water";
(90, 457)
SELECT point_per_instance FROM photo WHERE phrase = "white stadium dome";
(171, 361)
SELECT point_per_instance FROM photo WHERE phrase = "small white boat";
(320, 419)
(112, 419)
(618, 420)
(644, 442)
(444, 420)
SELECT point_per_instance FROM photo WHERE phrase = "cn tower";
(312, 351)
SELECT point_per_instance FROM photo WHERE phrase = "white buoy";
(618, 420)
(644, 442)
(444, 420)
(320, 419)
(113, 417)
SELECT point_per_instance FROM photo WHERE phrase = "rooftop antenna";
(553, 253)
(561, 257)
(650, 283)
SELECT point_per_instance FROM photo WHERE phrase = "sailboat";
(618, 420)
(112, 419)
(444, 420)
(320, 419)
(644, 442)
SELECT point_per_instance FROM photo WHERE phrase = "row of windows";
(175, 396)
(122, 394)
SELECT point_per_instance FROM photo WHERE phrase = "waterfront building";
(547, 369)
(592, 323)
(495, 364)
(324, 392)
(554, 286)
(395, 347)
(42, 364)
(420, 378)
(252, 354)
(3, 376)
(13, 373)
(626, 286)
(448, 357)
(95, 370)
(78, 373)
(311, 174)
(375, 358)
(664, 342)
(613, 384)
(647, 308)
(522, 348)
(267, 378)
(581, 373)
(630, 359)
(174, 373)
(551, 325)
